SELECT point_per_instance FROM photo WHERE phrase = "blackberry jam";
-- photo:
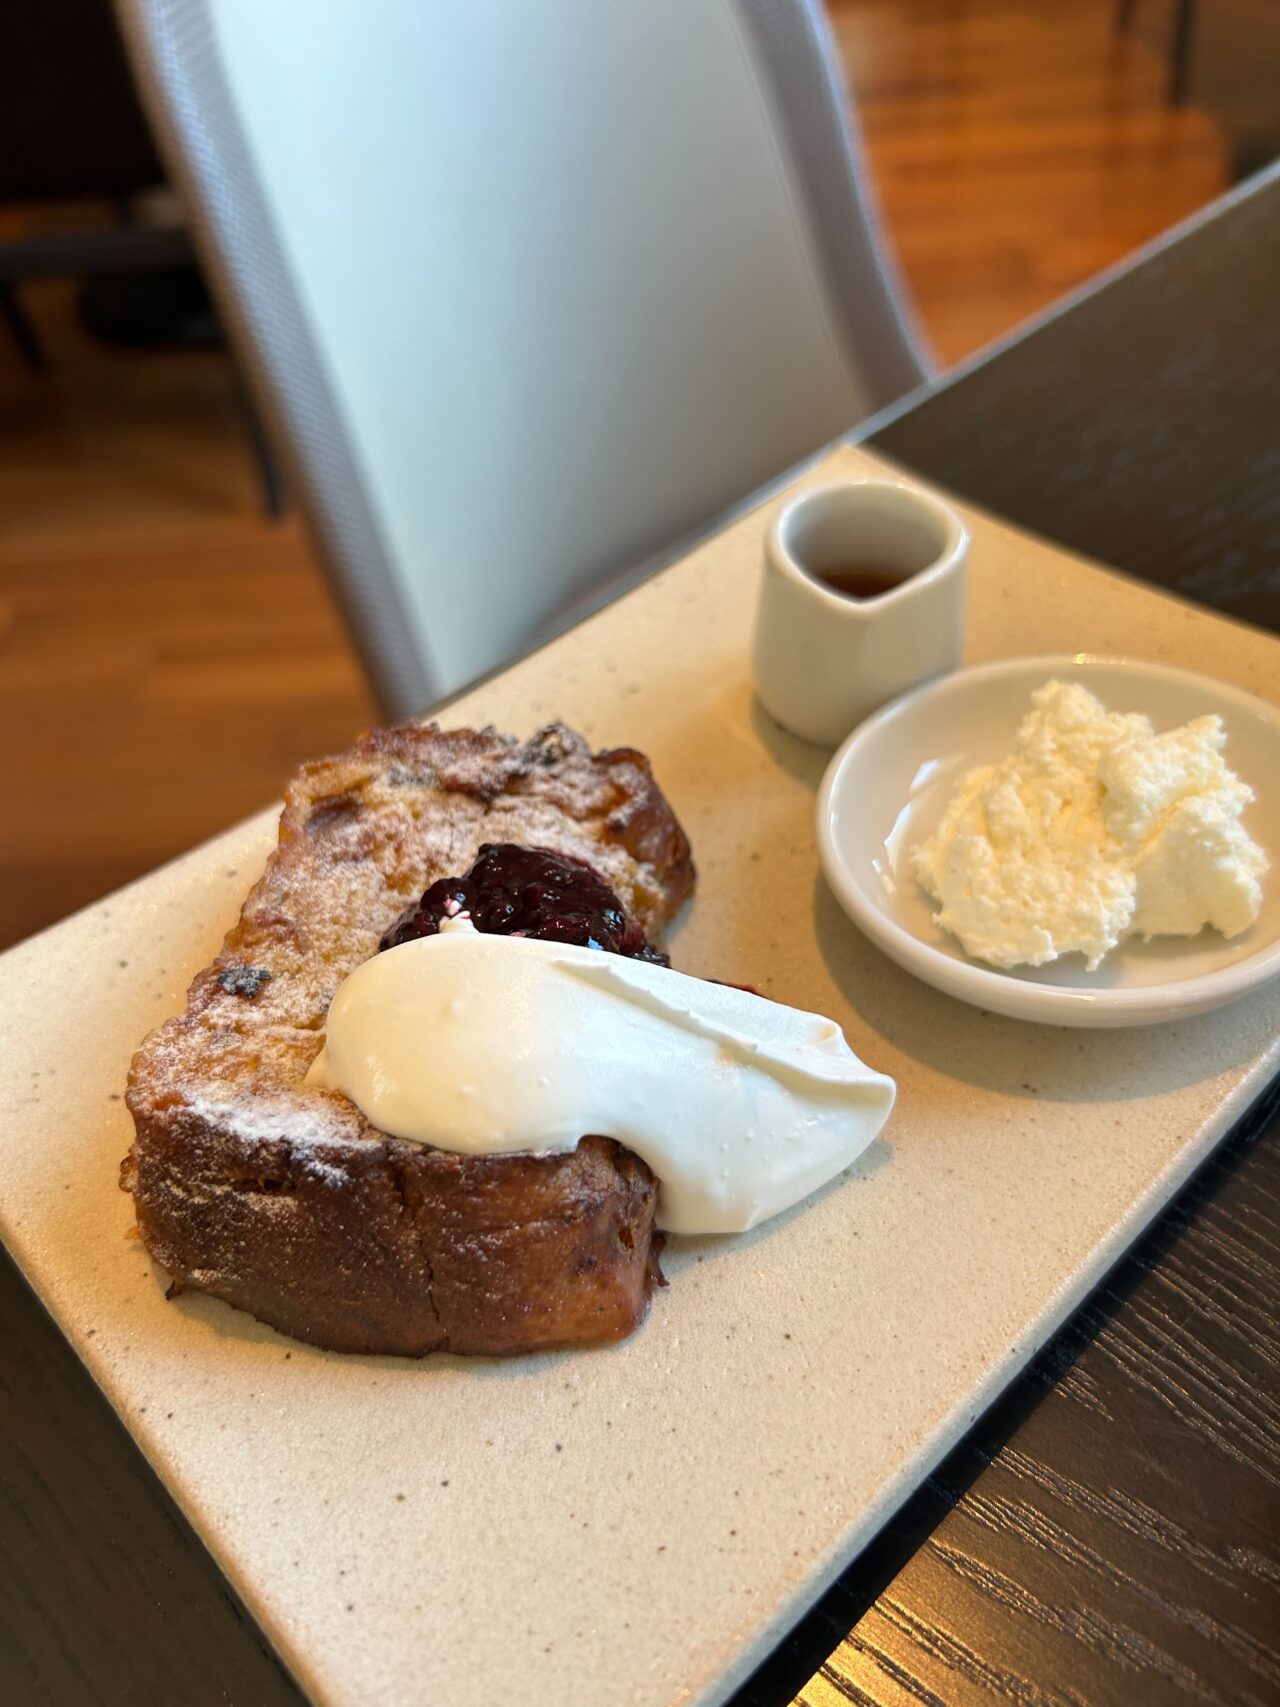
(532, 892)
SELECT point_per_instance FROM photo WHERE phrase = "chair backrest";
(532, 288)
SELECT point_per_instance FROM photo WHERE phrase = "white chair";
(532, 289)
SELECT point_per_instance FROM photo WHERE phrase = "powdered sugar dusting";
(281, 1197)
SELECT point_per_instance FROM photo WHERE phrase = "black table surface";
(1108, 1532)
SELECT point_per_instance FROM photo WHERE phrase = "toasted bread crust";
(283, 1199)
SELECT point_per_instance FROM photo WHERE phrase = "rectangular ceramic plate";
(638, 1524)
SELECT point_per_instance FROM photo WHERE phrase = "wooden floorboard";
(168, 655)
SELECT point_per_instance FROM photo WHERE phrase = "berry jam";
(515, 891)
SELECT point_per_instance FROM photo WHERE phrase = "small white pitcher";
(824, 659)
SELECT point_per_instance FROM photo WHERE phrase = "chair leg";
(275, 495)
(23, 332)
(1180, 64)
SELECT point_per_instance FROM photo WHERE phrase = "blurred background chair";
(70, 127)
(532, 294)
(73, 137)
(1180, 46)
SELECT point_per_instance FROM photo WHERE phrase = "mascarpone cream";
(486, 1045)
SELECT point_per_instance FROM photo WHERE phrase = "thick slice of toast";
(283, 1199)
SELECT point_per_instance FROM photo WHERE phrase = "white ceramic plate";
(886, 789)
(636, 1525)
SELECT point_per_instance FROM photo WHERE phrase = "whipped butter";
(1094, 828)
(486, 1045)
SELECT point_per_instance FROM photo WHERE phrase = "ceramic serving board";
(637, 1525)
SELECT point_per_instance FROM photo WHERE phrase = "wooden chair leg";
(22, 331)
(275, 494)
(1180, 62)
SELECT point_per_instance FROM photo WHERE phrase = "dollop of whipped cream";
(487, 1045)
(1094, 828)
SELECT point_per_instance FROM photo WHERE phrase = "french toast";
(281, 1198)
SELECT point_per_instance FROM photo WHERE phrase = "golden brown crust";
(283, 1199)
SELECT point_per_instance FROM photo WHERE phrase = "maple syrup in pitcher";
(859, 580)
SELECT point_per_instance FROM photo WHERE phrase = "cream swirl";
(488, 1045)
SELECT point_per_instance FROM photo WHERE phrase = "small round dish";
(887, 786)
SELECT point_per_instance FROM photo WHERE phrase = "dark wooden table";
(1108, 1533)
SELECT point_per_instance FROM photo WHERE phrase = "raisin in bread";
(282, 1199)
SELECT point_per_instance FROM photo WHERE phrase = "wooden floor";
(1018, 147)
(167, 655)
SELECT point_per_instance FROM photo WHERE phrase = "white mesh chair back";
(531, 289)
